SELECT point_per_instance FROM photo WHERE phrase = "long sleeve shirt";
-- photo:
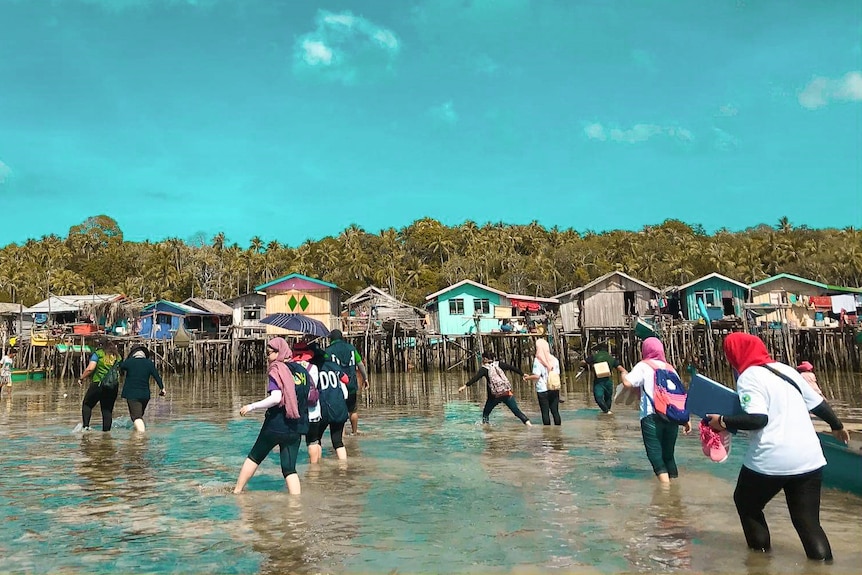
(483, 372)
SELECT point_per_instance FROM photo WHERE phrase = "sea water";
(426, 488)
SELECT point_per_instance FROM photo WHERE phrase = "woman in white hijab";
(546, 374)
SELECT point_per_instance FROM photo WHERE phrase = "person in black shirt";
(491, 402)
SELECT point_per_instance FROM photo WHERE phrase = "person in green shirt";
(603, 387)
(347, 356)
(100, 364)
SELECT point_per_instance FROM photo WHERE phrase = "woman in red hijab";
(784, 451)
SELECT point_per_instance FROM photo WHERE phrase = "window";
(482, 306)
(251, 313)
(456, 306)
(163, 319)
(708, 297)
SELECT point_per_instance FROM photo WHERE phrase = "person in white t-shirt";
(659, 435)
(7, 364)
(543, 365)
(784, 451)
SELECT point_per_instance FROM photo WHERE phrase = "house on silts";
(216, 325)
(247, 311)
(374, 310)
(80, 314)
(454, 310)
(163, 319)
(13, 320)
(296, 293)
(610, 301)
(721, 296)
(802, 302)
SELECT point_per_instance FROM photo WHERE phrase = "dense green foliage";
(420, 259)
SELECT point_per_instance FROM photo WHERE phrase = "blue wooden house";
(162, 319)
(721, 295)
(453, 308)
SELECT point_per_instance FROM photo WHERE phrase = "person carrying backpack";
(499, 389)
(659, 423)
(332, 383)
(344, 354)
(104, 366)
(286, 419)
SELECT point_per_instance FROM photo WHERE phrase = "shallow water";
(426, 489)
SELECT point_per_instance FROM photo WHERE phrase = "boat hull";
(28, 375)
(843, 464)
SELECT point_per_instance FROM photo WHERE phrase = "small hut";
(219, 323)
(609, 301)
(722, 297)
(247, 311)
(296, 293)
(162, 319)
(454, 310)
(374, 310)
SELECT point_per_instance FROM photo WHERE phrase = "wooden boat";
(844, 462)
(36, 374)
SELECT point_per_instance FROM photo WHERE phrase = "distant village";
(612, 303)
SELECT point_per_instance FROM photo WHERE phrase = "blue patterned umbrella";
(297, 322)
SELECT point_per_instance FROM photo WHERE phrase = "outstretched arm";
(824, 412)
(483, 372)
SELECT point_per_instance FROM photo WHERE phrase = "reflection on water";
(426, 489)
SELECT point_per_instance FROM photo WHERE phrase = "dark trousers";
(105, 398)
(510, 402)
(660, 441)
(802, 493)
(549, 403)
(603, 393)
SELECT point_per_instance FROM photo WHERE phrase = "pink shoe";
(716, 445)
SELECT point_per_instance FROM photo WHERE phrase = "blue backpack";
(670, 395)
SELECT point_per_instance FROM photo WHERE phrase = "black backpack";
(111, 380)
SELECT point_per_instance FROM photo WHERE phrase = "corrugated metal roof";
(11, 308)
(211, 305)
(806, 281)
(172, 306)
(292, 276)
(462, 282)
(713, 275)
(70, 303)
(603, 278)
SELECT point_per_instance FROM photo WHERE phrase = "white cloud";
(637, 133)
(724, 141)
(5, 173)
(345, 48)
(728, 110)
(595, 132)
(444, 113)
(822, 91)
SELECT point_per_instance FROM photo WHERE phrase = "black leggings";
(288, 444)
(802, 493)
(549, 403)
(137, 408)
(316, 429)
(105, 398)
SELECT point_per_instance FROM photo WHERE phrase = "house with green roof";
(801, 300)
(296, 293)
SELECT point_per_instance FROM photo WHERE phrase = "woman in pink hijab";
(659, 435)
(286, 419)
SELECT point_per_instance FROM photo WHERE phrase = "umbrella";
(297, 322)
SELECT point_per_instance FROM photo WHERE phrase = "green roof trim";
(806, 281)
(292, 276)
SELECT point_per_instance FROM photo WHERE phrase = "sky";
(291, 120)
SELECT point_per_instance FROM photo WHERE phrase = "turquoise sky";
(293, 119)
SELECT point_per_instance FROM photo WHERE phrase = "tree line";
(419, 259)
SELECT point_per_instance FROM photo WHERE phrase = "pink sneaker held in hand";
(716, 445)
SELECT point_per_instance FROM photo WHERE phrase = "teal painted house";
(451, 309)
(722, 296)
